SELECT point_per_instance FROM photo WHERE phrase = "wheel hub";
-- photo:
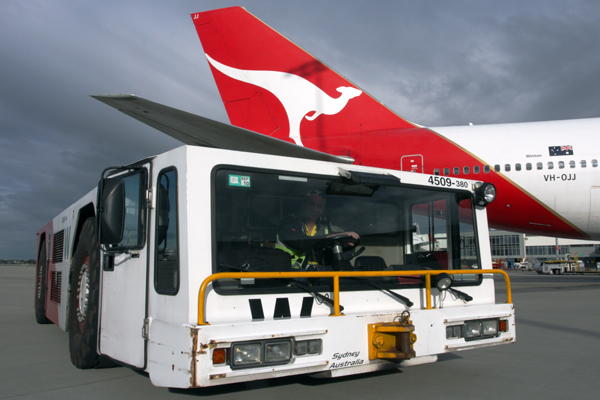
(83, 291)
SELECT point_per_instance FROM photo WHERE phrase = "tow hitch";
(392, 340)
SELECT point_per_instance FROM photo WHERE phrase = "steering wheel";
(346, 241)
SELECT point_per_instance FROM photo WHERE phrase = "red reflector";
(219, 356)
(503, 325)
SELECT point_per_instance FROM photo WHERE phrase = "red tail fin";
(270, 85)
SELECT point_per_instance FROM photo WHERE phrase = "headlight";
(489, 327)
(454, 331)
(278, 352)
(478, 329)
(472, 329)
(261, 353)
(314, 346)
(246, 354)
(304, 347)
(485, 194)
(443, 281)
(301, 348)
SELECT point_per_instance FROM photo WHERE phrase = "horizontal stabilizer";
(195, 130)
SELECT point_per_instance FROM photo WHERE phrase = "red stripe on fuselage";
(514, 209)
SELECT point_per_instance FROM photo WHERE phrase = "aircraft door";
(412, 163)
(124, 274)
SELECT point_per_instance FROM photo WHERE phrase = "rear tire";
(40, 287)
(84, 299)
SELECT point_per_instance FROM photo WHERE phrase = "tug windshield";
(267, 221)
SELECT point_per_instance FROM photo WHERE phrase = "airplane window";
(583, 164)
(497, 168)
(540, 165)
(550, 165)
(507, 167)
(486, 169)
(528, 166)
(561, 164)
(465, 170)
(456, 170)
(572, 164)
(517, 167)
(476, 169)
(436, 171)
(446, 171)
(594, 163)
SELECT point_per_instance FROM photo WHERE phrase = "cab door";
(125, 276)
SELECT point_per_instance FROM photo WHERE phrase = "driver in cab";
(298, 233)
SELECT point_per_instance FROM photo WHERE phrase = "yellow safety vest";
(298, 256)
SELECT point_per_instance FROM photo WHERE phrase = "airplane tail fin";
(270, 85)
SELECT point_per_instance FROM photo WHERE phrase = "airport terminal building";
(512, 246)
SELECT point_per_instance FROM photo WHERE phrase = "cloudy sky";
(433, 62)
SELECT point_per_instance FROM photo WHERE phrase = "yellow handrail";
(336, 281)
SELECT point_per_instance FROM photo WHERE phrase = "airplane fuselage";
(546, 173)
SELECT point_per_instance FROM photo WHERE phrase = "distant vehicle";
(523, 266)
(559, 267)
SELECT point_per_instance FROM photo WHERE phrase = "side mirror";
(111, 211)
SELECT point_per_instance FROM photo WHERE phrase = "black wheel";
(84, 298)
(40, 287)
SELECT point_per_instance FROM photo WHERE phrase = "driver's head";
(313, 205)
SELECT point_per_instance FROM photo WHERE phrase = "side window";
(134, 226)
(456, 171)
(507, 167)
(594, 163)
(539, 165)
(528, 166)
(446, 171)
(166, 272)
(550, 165)
(466, 170)
(572, 164)
(436, 171)
(486, 169)
(497, 168)
(476, 169)
(583, 163)
(561, 164)
(443, 235)
(517, 167)
(431, 227)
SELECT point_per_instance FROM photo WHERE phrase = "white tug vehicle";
(171, 265)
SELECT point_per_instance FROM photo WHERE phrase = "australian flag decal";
(561, 150)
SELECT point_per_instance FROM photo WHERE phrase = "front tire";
(84, 299)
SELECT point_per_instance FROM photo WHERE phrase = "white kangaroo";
(297, 95)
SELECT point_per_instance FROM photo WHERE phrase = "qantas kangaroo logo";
(297, 95)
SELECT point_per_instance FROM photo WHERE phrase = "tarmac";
(556, 356)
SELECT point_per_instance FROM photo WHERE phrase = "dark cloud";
(435, 63)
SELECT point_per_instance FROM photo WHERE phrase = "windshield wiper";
(460, 295)
(403, 299)
(318, 295)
